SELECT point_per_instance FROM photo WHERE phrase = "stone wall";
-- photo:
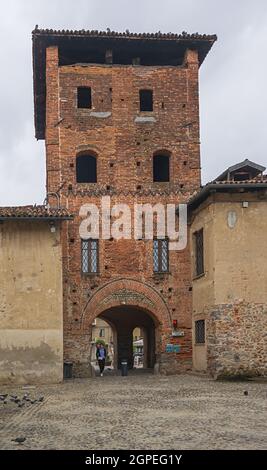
(237, 341)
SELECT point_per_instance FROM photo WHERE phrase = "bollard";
(124, 368)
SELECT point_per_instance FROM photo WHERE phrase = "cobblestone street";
(137, 412)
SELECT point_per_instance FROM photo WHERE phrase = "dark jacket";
(98, 353)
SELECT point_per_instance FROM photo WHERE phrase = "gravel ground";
(137, 412)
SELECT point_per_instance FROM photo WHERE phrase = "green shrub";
(101, 341)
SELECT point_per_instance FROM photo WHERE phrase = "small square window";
(84, 97)
(146, 100)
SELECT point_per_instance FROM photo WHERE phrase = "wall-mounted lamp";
(52, 227)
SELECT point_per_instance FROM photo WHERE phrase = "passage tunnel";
(123, 320)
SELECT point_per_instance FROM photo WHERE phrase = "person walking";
(101, 355)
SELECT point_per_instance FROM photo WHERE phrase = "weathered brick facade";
(123, 139)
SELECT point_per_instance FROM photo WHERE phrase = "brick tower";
(119, 113)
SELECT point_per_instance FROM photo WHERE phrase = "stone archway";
(127, 292)
(134, 298)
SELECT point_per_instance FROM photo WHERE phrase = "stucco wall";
(31, 338)
(241, 251)
(203, 286)
(232, 294)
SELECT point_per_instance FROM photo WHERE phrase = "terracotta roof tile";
(125, 34)
(33, 212)
(257, 179)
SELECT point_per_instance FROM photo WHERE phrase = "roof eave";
(213, 187)
(16, 217)
(38, 34)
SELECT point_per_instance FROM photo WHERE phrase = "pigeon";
(246, 393)
(2, 397)
(14, 396)
(19, 440)
(41, 399)
(21, 404)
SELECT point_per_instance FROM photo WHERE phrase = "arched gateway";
(125, 304)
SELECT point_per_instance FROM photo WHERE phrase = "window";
(200, 332)
(199, 255)
(241, 176)
(146, 100)
(84, 97)
(161, 170)
(161, 255)
(86, 169)
(90, 250)
(102, 333)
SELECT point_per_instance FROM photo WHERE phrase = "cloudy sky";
(233, 79)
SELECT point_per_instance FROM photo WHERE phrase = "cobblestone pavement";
(138, 412)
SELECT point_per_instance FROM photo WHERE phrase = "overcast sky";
(233, 78)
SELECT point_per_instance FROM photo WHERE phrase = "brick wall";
(124, 147)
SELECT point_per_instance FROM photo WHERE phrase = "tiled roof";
(257, 179)
(255, 184)
(125, 34)
(34, 212)
(255, 169)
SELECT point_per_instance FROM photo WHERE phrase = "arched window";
(86, 169)
(161, 167)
